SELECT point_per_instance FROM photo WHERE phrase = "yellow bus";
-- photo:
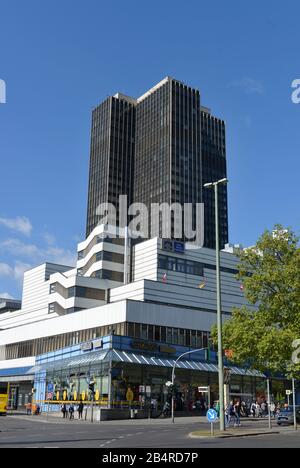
(3, 400)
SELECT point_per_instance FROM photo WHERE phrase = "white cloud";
(20, 224)
(248, 85)
(49, 238)
(5, 270)
(50, 253)
(19, 270)
(14, 272)
(5, 295)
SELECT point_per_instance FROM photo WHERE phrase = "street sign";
(212, 416)
(203, 389)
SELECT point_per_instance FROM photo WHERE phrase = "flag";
(165, 278)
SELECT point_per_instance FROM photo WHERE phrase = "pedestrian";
(227, 415)
(237, 413)
(253, 409)
(71, 411)
(273, 409)
(64, 410)
(80, 410)
(258, 412)
(231, 411)
(29, 409)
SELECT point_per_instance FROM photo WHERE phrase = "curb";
(234, 436)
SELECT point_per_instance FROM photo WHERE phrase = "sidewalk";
(56, 417)
(246, 431)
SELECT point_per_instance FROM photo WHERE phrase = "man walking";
(80, 410)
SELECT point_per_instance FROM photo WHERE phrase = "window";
(181, 337)
(193, 339)
(189, 267)
(169, 335)
(150, 332)
(81, 255)
(53, 288)
(180, 266)
(171, 264)
(137, 330)
(131, 329)
(175, 336)
(144, 334)
(162, 262)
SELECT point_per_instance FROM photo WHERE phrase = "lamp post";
(173, 375)
(294, 405)
(215, 186)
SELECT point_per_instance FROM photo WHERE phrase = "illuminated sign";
(167, 349)
(144, 346)
(98, 344)
(87, 346)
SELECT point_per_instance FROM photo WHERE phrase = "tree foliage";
(262, 334)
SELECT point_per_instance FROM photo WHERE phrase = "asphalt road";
(19, 432)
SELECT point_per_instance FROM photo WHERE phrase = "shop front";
(19, 383)
(124, 374)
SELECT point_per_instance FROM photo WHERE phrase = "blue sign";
(212, 416)
(179, 247)
(50, 388)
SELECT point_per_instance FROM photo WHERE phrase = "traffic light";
(92, 387)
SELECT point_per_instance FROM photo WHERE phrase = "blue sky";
(61, 58)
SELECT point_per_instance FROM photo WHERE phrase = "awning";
(115, 355)
(17, 374)
(17, 371)
(133, 358)
(81, 360)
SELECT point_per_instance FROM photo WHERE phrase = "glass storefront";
(123, 385)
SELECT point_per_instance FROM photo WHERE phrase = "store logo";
(296, 93)
(296, 353)
(144, 346)
(87, 346)
(2, 92)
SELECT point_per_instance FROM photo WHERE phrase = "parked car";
(286, 416)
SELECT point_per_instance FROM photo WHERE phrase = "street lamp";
(173, 375)
(215, 186)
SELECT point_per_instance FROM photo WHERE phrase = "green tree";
(263, 333)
